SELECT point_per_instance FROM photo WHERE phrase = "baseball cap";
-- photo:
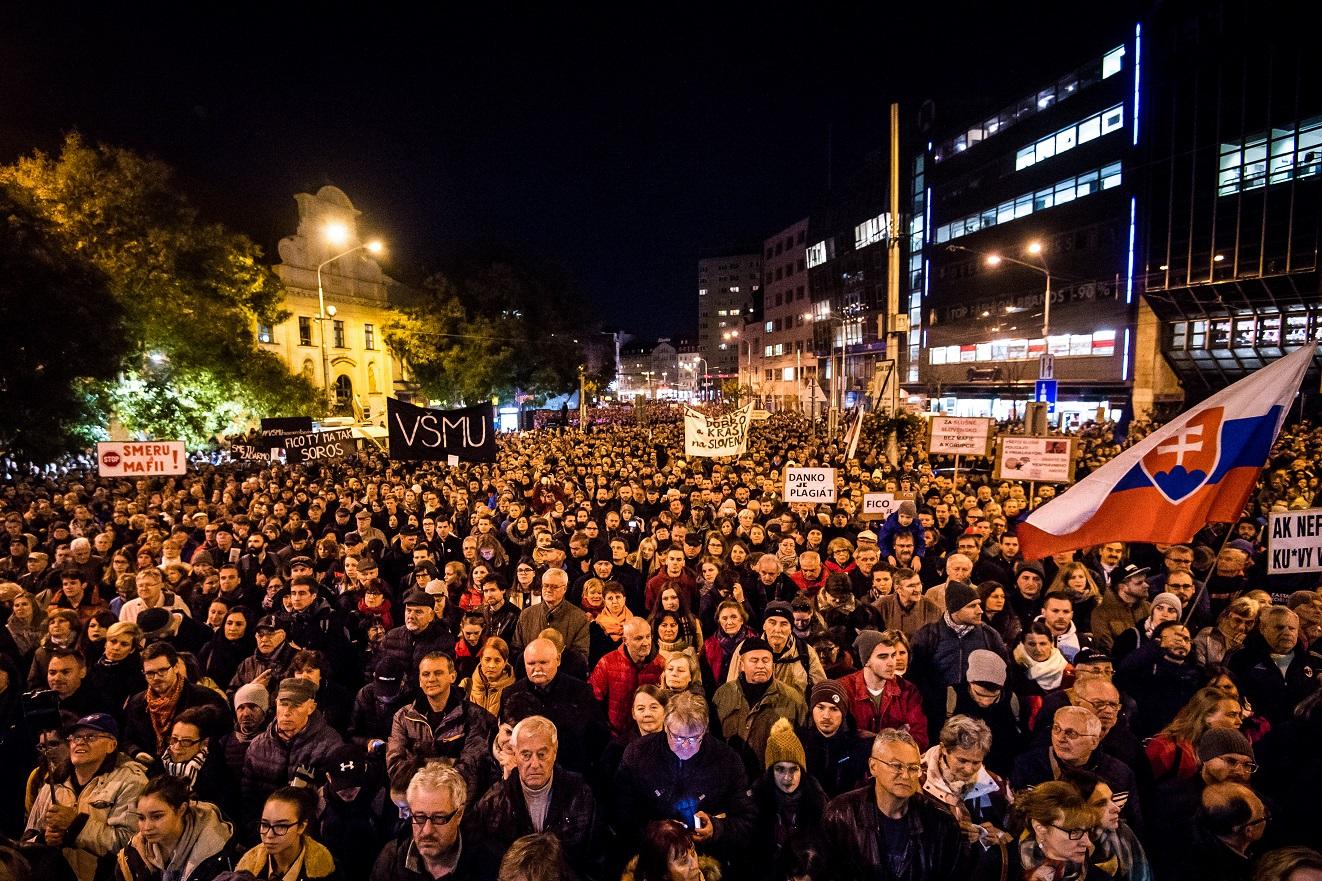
(1125, 572)
(103, 722)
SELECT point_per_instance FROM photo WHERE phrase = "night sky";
(618, 146)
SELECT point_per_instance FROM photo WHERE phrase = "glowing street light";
(337, 234)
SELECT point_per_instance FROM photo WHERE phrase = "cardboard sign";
(319, 446)
(1041, 459)
(435, 435)
(810, 485)
(960, 436)
(1294, 541)
(879, 506)
(145, 459)
(724, 435)
(250, 452)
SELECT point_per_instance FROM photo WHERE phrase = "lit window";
(1112, 120)
(817, 255)
(1113, 62)
(304, 330)
(769, 326)
(734, 311)
(264, 334)
(787, 374)
(722, 312)
(871, 231)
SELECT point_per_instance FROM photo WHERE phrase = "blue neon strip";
(1129, 275)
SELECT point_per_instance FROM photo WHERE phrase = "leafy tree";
(191, 292)
(65, 335)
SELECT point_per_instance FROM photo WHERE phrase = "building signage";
(135, 459)
(1294, 541)
(810, 485)
(1043, 459)
(960, 436)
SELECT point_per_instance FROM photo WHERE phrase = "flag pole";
(1202, 588)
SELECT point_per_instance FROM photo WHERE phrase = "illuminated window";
(769, 326)
(304, 330)
(1067, 190)
(817, 255)
(264, 334)
(871, 231)
(1271, 158)
(1110, 120)
(1113, 62)
(369, 337)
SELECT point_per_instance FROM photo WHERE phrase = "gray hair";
(1090, 719)
(772, 559)
(80, 543)
(437, 777)
(532, 726)
(965, 732)
(888, 736)
(688, 709)
(1275, 615)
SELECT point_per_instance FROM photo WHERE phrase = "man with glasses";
(432, 845)
(889, 830)
(1231, 820)
(684, 773)
(92, 813)
(150, 714)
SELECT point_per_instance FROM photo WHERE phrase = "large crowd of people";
(597, 659)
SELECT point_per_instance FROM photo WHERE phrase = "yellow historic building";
(344, 354)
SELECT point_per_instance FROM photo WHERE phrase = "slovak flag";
(1199, 469)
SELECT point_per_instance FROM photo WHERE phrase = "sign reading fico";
(879, 506)
(1294, 542)
(133, 459)
(810, 484)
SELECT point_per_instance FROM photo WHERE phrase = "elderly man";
(748, 706)
(298, 743)
(796, 662)
(772, 582)
(151, 595)
(1231, 820)
(537, 797)
(269, 663)
(959, 567)
(441, 723)
(565, 700)
(872, 832)
(684, 773)
(954, 775)
(906, 609)
(619, 673)
(436, 798)
(556, 612)
(1076, 733)
(1275, 668)
(92, 813)
(421, 633)
(810, 577)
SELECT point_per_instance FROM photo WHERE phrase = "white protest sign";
(724, 435)
(810, 484)
(1294, 541)
(960, 436)
(134, 459)
(1045, 459)
(879, 505)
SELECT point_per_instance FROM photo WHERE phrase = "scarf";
(613, 625)
(161, 709)
(1031, 859)
(382, 611)
(486, 692)
(185, 770)
(1047, 674)
(592, 611)
(961, 630)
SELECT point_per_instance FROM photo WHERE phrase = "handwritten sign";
(1042, 459)
(422, 433)
(810, 485)
(724, 435)
(135, 459)
(960, 436)
(319, 446)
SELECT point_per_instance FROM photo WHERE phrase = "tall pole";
(895, 341)
(321, 314)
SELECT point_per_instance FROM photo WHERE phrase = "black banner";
(279, 426)
(423, 433)
(250, 452)
(319, 446)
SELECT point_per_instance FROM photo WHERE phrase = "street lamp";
(1045, 368)
(693, 368)
(336, 233)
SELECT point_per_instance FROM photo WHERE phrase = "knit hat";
(1030, 566)
(908, 508)
(296, 691)
(829, 691)
(155, 623)
(754, 644)
(866, 643)
(1169, 599)
(778, 609)
(784, 746)
(1223, 741)
(959, 594)
(253, 693)
(986, 666)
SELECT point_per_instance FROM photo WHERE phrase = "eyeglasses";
(900, 768)
(1261, 821)
(420, 821)
(157, 674)
(681, 740)
(279, 830)
(83, 739)
(1072, 834)
(1101, 705)
(1069, 733)
(1237, 763)
(185, 741)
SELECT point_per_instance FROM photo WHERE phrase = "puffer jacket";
(501, 816)
(486, 693)
(256, 664)
(108, 813)
(318, 864)
(462, 737)
(901, 706)
(746, 728)
(409, 647)
(272, 759)
(797, 666)
(614, 680)
(855, 843)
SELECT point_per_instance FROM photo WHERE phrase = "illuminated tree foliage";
(190, 292)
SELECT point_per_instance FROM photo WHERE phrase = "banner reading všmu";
(422, 433)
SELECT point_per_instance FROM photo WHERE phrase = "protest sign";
(319, 446)
(1294, 541)
(250, 452)
(960, 436)
(134, 459)
(810, 485)
(1044, 459)
(879, 506)
(422, 433)
(724, 435)
(279, 426)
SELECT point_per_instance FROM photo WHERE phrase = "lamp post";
(1046, 367)
(336, 234)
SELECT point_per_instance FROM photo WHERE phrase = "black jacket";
(1271, 694)
(409, 647)
(782, 831)
(138, 734)
(1035, 766)
(501, 816)
(852, 826)
(1158, 686)
(398, 861)
(838, 763)
(571, 705)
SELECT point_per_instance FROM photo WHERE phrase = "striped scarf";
(188, 770)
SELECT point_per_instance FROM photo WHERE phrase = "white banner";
(1294, 541)
(145, 459)
(1045, 459)
(725, 435)
(810, 485)
(960, 436)
(879, 506)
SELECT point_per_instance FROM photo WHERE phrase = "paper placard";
(1294, 541)
(960, 436)
(1041, 459)
(141, 459)
(810, 485)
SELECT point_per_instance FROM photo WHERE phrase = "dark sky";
(618, 145)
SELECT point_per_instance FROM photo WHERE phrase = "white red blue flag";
(1199, 469)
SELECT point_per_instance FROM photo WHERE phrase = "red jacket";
(809, 587)
(614, 680)
(688, 586)
(901, 706)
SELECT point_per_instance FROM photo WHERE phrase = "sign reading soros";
(318, 446)
(810, 484)
(423, 433)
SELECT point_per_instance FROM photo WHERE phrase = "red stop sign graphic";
(110, 459)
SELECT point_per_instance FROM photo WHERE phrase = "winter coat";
(891, 527)
(117, 681)
(746, 728)
(1039, 764)
(399, 861)
(1271, 694)
(109, 802)
(501, 816)
(256, 664)
(374, 712)
(614, 680)
(1113, 617)
(797, 666)
(1159, 686)
(462, 736)
(409, 647)
(910, 621)
(318, 864)
(986, 800)
(710, 869)
(852, 825)
(784, 829)
(202, 853)
(578, 718)
(487, 693)
(839, 762)
(138, 734)
(272, 759)
(567, 618)
(901, 706)
(938, 659)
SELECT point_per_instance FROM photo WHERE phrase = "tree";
(191, 292)
(65, 336)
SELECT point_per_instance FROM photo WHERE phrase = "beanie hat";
(784, 746)
(1030, 566)
(1222, 741)
(1169, 599)
(754, 644)
(908, 508)
(253, 693)
(829, 691)
(958, 595)
(986, 666)
(778, 609)
(866, 643)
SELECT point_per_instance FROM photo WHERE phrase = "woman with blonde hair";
(1055, 823)
(492, 675)
(1171, 752)
(27, 621)
(1077, 582)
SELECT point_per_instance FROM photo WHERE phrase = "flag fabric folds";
(1198, 469)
